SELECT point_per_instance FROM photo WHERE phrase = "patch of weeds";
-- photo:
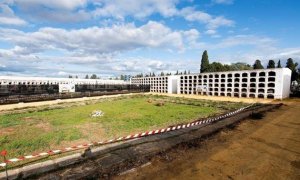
(63, 135)
(6, 121)
(3, 140)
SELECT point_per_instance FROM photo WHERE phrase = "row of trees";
(152, 74)
(93, 76)
(70, 76)
(218, 67)
(271, 64)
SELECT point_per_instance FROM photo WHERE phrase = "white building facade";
(19, 80)
(262, 83)
(64, 84)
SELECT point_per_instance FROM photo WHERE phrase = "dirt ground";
(268, 148)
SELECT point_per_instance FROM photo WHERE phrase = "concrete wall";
(173, 84)
(264, 83)
(158, 84)
(286, 83)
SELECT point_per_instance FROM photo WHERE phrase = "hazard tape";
(123, 138)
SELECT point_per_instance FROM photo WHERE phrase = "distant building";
(260, 83)
(15, 85)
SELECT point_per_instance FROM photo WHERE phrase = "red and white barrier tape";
(124, 138)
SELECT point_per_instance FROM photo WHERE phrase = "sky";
(59, 38)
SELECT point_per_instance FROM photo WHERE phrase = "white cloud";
(190, 14)
(54, 10)
(241, 40)
(137, 8)
(134, 65)
(222, 1)
(96, 40)
(219, 21)
(210, 32)
(78, 11)
(287, 53)
(54, 4)
(62, 73)
(7, 16)
(120, 9)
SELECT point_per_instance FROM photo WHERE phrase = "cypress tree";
(271, 64)
(258, 65)
(204, 62)
(293, 67)
(279, 64)
(290, 64)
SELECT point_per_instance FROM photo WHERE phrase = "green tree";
(271, 64)
(279, 64)
(216, 67)
(122, 77)
(162, 73)
(204, 62)
(86, 76)
(93, 76)
(227, 67)
(239, 66)
(293, 67)
(258, 65)
(70, 76)
(177, 72)
(184, 72)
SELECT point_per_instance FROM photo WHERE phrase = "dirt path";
(256, 149)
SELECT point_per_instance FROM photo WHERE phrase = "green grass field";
(53, 127)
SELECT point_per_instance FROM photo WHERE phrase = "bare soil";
(268, 148)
